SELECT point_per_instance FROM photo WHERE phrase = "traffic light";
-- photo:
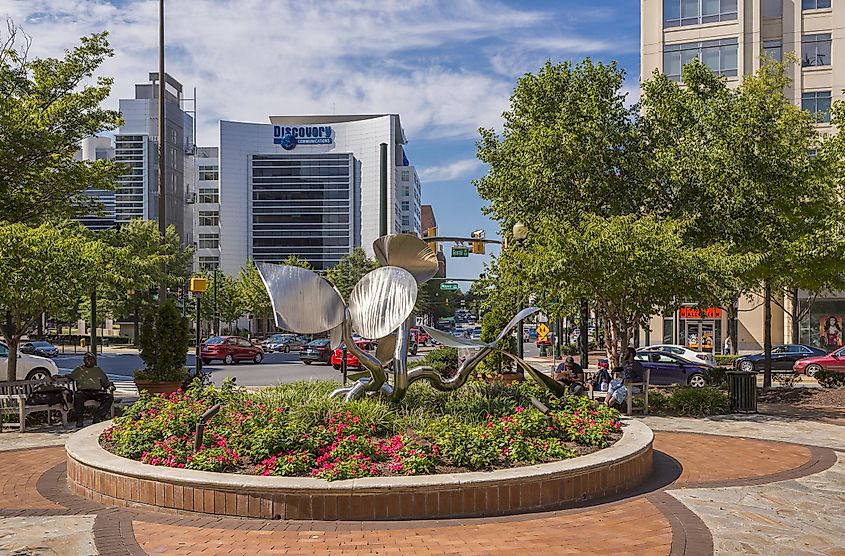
(478, 246)
(431, 232)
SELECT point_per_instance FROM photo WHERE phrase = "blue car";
(666, 369)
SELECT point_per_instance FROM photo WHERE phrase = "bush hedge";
(697, 402)
(295, 429)
(830, 379)
(726, 360)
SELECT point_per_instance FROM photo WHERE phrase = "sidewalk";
(739, 484)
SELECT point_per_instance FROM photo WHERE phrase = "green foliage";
(717, 377)
(295, 430)
(47, 106)
(787, 380)
(696, 402)
(349, 270)
(163, 343)
(830, 379)
(726, 360)
(253, 293)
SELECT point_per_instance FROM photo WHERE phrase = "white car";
(683, 353)
(30, 367)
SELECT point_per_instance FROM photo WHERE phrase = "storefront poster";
(830, 330)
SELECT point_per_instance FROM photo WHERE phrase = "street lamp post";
(198, 285)
(131, 293)
(520, 233)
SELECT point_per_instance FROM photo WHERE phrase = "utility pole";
(162, 197)
(216, 318)
(93, 333)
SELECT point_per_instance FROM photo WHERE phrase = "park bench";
(630, 395)
(13, 395)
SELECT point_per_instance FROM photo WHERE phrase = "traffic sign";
(542, 331)
(458, 251)
(448, 286)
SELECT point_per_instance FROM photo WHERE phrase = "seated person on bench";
(91, 384)
(571, 374)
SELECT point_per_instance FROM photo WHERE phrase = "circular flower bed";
(295, 430)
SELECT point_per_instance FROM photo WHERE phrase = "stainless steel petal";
(451, 341)
(386, 347)
(381, 301)
(525, 313)
(336, 336)
(302, 301)
(409, 252)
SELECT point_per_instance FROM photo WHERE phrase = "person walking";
(91, 384)
(728, 347)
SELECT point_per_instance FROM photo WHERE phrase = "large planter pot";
(164, 388)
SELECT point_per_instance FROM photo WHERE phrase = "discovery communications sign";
(291, 136)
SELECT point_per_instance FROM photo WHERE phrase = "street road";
(276, 367)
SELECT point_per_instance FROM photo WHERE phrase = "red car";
(230, 349)
(351, 361)
(422, 337)
(833, 361)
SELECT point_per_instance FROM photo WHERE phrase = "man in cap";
(91, 384)
(570, 373)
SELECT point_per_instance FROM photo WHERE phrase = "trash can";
(742, 389)
(82, 342)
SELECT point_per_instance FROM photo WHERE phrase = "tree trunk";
(767, 334)
(733, 326)
(11, 336)
(793, 298)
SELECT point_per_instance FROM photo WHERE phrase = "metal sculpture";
(380, 308)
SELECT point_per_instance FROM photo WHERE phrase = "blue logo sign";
(290, 137)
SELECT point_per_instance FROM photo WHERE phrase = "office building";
(730, 36)
(136, 145)
(309, 186)
(93, 149)
(207, 208)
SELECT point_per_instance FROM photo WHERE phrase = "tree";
(293, 260)
(230, 305)
(349, 270)
(574, 165)
(742, 155)
(253, 293)
(42, 268)
(163, 344)
(47, 106)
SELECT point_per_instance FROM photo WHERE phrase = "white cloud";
(452, 171)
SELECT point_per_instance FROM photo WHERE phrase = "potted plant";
(163, 344)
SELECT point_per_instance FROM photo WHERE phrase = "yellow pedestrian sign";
(542, 331)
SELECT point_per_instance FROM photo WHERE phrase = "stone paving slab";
(48, 536)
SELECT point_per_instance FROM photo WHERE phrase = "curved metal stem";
(400, 361)
(369, 362)
(447, 384)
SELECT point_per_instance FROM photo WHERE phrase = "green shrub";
(162, 344)
(696, 402)
(830, 379)
(444, 360)
(726, 360)
(787, 380)
(717, 377)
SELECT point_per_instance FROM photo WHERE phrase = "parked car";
(668, 368)
(421, 335)
(282, 343)
(316, 351)
(30, 367)
(784, 357)
(40, 348)
(833, 361)
(230, 349)
(475, 334)
(352, 362)
(683, 352)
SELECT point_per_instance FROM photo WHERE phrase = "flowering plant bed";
(295, 430)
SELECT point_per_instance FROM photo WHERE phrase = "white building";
(309, 186)
(207, 208)
(92, 149)
(136, 145)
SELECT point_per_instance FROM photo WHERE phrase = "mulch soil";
(812, 397)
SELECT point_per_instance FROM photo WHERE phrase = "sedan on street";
(230, 349)
(784, 357)
(316, 351)
(29, 367)
(682, 352)
(40, 348)
(668, 368)
(833, 361)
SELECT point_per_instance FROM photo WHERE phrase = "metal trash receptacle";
(742, 389)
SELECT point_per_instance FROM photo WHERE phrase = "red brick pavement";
(641, 525)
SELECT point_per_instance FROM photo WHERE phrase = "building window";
(209, 263)
(719, 55)
(209, 218)
(209, 241)
(815, 50)
(405, 221)
(677, 13)
(818, 104)
(208, 196)
(815, 4)
(406, 206)
(404, 191)
(209, 173)
(773, 49)
(406, 175)
(812, 153)
(772, 8)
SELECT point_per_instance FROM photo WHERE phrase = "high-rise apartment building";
(136, 146)
(730, 36)
(207, 208)
(92, 149)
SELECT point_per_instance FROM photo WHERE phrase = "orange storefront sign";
(696, 313)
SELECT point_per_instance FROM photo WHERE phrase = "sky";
(446, 67)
